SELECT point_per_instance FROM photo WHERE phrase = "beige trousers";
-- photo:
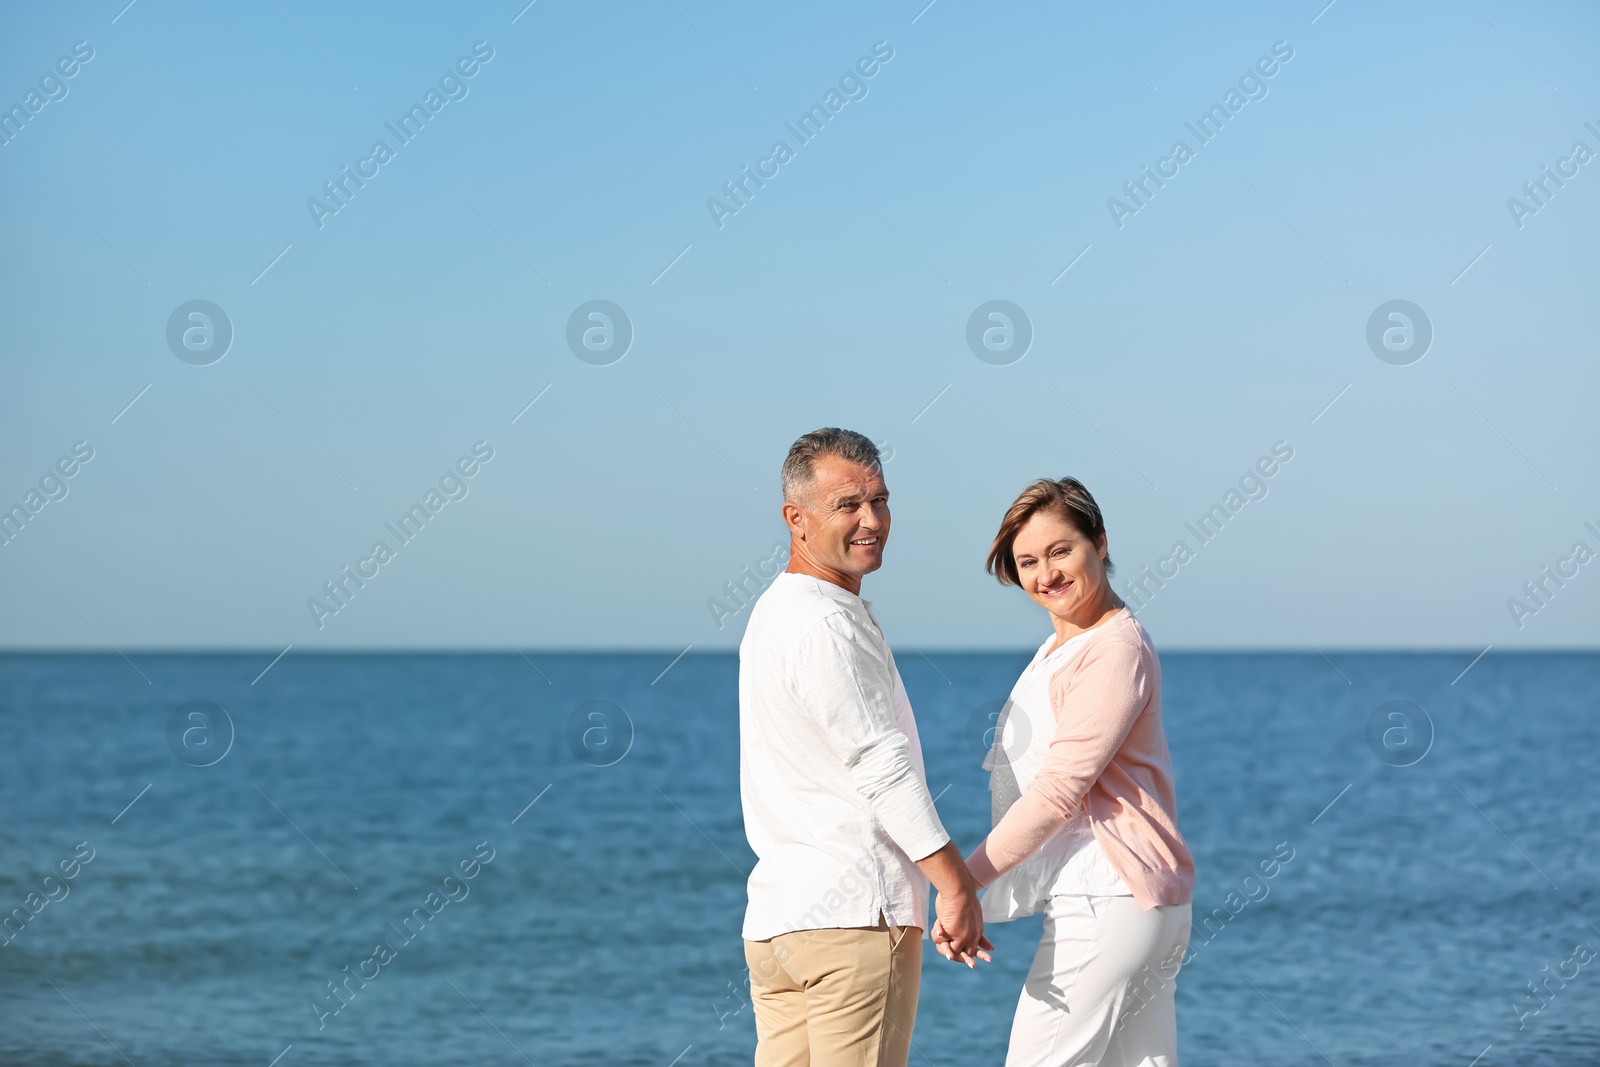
(836, 998)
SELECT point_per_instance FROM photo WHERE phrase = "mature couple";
(837, 808)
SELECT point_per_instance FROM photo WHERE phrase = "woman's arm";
(1096, 702)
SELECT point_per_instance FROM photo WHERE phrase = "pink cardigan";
(1109, 754)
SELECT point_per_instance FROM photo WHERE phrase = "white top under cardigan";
(836, 803)
(1071, 861)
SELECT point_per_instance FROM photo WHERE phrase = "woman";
(1085, 821)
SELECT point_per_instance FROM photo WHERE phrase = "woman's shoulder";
(1132, 630)
(1122, 630)
(1120, 643)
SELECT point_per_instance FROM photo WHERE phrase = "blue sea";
(550, 849)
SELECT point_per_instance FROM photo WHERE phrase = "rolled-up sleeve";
(843, 680)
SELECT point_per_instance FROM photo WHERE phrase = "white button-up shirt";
(836, 803)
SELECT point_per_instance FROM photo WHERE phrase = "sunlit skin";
(838, 533)
(1064, 572)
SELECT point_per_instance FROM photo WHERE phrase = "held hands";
(958, 929)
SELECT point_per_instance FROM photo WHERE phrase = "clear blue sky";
(1220, 318)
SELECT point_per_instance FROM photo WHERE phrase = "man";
(836, 806)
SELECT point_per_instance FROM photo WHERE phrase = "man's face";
(845, 522)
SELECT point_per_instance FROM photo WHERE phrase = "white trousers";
(1100, 991)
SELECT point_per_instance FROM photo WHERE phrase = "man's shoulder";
(792, 608)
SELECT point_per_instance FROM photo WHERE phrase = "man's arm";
(848, 690)
(960, 916)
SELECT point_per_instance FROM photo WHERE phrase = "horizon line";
(653, 650)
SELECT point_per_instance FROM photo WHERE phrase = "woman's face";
(1061, 569)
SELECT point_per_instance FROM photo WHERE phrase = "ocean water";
(594, 802)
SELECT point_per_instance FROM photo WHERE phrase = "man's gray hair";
(800, 465)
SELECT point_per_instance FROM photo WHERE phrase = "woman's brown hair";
(1066, 497)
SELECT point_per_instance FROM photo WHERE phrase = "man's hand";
(958, 933)
(941, 942)
(958, 929)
